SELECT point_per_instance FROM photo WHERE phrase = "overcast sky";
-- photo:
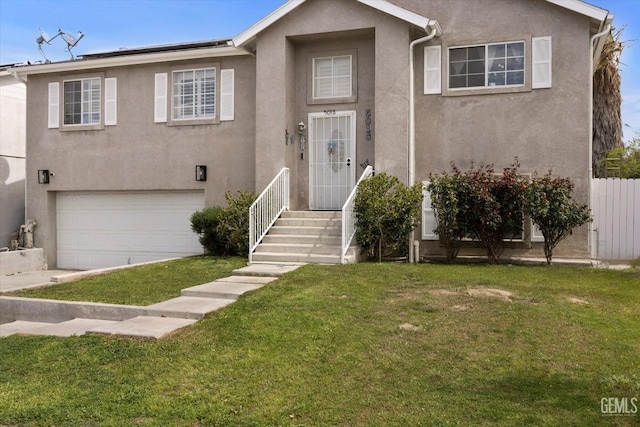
(114, 24)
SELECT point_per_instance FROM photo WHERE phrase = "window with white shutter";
(54, 105)
(227, 84)
(160, 99)
(432, 70)
(429, 222)
(542, 62)
(110, 101)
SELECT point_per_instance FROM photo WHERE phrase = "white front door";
(332, 148)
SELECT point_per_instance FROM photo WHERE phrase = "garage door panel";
(104, 229)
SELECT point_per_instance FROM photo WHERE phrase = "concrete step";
(298, 248)
(222, 290)
(186, 307)
(300, 230)
(276, 257)
(309, 222)
(303, 238)
(144, 327)
(273, 270)
(311, 214)
(67, 328)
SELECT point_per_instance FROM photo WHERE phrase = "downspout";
(590, 237)
(433, 30)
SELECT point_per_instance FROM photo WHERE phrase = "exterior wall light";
(43, 176)
(201, 173)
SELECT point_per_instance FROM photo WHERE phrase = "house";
(13, 101)
(321, 87)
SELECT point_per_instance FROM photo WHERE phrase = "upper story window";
(495, 64)
(194, 94)
(82, 102)
(332, 77)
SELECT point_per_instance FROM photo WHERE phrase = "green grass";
(323, 346)
(144, 285)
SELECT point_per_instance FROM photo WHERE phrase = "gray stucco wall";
(544, 128)
(138, 154)
(12, 156)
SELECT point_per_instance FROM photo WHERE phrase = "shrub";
(445, 203)
(491, 206)
(553, 211)
(205, 223)
(478, 204)
(234, 222)
(225, 231)
(386, 212)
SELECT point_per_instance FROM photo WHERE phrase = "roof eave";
(120, 61)
(583, 8)
(249, 35)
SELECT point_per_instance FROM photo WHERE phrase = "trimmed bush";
(234, 222)
(205, 223)
(386, 212)
(225, 231)
(553, 211)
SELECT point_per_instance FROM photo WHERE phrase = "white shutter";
(536, 234)
(160, 104)
(541, 62)
(226, 95)
(54, 105)
(110, 101)
(429, 222)
(432, 70)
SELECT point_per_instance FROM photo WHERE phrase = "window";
(496, 64)
(194, 94)
(332, 77)
(82, 102)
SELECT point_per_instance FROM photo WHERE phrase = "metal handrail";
(264, 212)
(349, 216)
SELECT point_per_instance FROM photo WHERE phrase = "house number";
(329, 112)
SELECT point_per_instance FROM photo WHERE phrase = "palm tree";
(607, 121)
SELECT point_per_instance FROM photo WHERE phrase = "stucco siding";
(544, 128)
(138, 154)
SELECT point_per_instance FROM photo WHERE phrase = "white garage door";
(107, 229)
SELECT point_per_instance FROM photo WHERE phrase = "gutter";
(433, 30)
(592, 42)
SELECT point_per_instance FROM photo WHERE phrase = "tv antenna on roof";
(71, 41)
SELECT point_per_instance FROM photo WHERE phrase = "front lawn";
(364, 344)
(143, 285)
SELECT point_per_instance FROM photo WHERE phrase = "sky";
(113, 24)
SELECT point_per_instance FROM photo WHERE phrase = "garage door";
(107, 229)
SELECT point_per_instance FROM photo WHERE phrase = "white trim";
(541, 62)
(382, 5)
(227, 102)
(54, 105)
(536, 234)
(250, 33)
(110, 101)
(160, 98)
(121, 61)
(582, 8)
(399, 12)
(427, 214)
(433, 73)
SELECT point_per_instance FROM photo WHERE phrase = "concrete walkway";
(32, 316)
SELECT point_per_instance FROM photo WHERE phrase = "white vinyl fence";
(616, 218)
